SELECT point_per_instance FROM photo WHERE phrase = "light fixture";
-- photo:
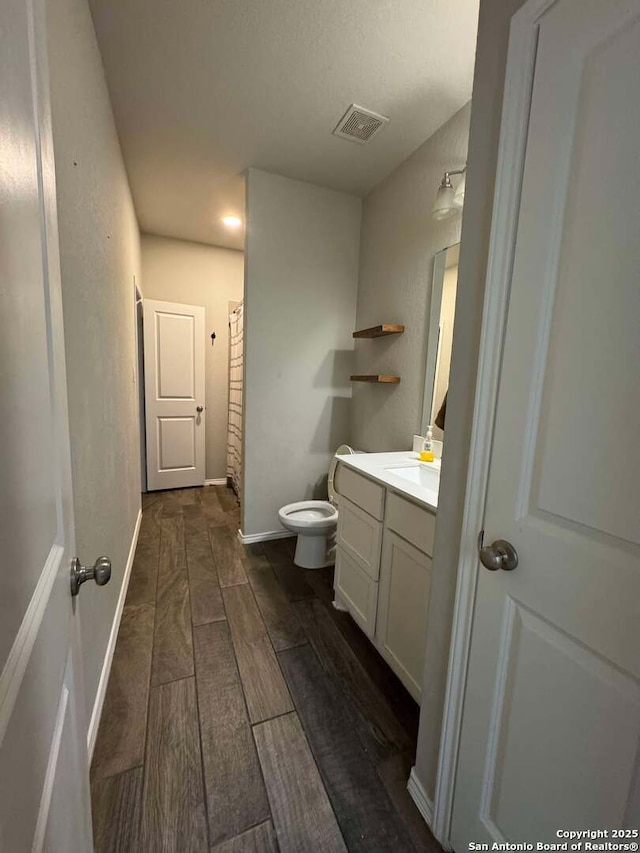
(449, 201)
(232, 221)
(459, 195)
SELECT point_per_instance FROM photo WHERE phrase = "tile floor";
(243, 713)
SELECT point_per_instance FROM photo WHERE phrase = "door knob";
(199, 409)
(100, 573)
(500, 555)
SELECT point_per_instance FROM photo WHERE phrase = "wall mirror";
(440, 336)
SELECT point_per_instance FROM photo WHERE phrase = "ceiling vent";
(359, 125)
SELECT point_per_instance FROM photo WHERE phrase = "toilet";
(315, 523)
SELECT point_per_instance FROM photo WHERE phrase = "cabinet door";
(361, 537)
(403, 599)
(356, 591)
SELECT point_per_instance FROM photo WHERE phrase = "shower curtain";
(236, 378)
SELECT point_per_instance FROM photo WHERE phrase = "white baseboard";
(111, 645)
(264, 537)
(221, 481)
(420, 798)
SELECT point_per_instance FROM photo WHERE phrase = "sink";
(419, 475)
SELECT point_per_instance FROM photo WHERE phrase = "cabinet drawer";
(357, 591)
(360, 536)
(364, 493)
(401, 627)
(414, 523)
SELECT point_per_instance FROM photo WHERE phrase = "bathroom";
(275, 329)
(320, 267)
(266, 329)
(316, 319)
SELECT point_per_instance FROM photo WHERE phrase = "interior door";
(551, 723)
(44, 779)
(174, 394)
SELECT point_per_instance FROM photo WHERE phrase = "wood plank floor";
(243, 713)
(173, 809)
(302, 813)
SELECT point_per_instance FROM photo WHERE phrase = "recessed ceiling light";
(232, 221)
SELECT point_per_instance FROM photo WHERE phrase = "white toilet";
(316, 523)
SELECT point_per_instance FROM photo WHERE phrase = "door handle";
(100, 573)
(499, 555)
(199, 409)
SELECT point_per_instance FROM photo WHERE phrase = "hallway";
(243, 713)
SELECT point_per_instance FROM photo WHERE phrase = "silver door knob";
(199, 409)
(500, 555)
(100, 573)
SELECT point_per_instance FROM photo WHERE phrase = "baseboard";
(221, 481)
(263, 537)
(420, 798)
(111, 645)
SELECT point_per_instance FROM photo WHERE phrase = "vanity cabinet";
(383, 570)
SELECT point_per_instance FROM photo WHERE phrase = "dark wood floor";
(243, 713)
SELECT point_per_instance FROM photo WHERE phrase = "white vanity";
(386, 525)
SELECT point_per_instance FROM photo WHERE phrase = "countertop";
(383, 467)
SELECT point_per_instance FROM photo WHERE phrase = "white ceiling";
(203, 89)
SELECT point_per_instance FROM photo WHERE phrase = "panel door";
(44, 774)
(174, 394)
(403, 602)
(551, 726)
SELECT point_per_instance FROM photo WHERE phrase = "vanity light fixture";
(459, 195)
(232, 221)
(449, 201)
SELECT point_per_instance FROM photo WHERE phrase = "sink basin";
(419, 475)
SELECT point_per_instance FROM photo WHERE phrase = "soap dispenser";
(427, 454)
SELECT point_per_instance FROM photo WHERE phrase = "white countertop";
(392, 470)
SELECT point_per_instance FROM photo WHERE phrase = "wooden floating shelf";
(380, 331)
(376, 377)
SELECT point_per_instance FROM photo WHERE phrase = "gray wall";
(399, 240)
(300, 299)
(99, 253)
(493, 35)
(195, 274)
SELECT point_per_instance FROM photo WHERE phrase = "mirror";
(440, 336)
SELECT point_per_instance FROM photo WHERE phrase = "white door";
(44, 778)
(174, 394)
(551, 724)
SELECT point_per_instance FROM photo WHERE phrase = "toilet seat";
(309, 516)
(343, 450)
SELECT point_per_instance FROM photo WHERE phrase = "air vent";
(359, 125)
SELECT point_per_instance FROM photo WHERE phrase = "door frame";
(138, 326)
(516, 105)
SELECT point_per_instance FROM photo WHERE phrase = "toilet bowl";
(315, 523)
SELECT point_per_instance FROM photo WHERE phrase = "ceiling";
(203, 89)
